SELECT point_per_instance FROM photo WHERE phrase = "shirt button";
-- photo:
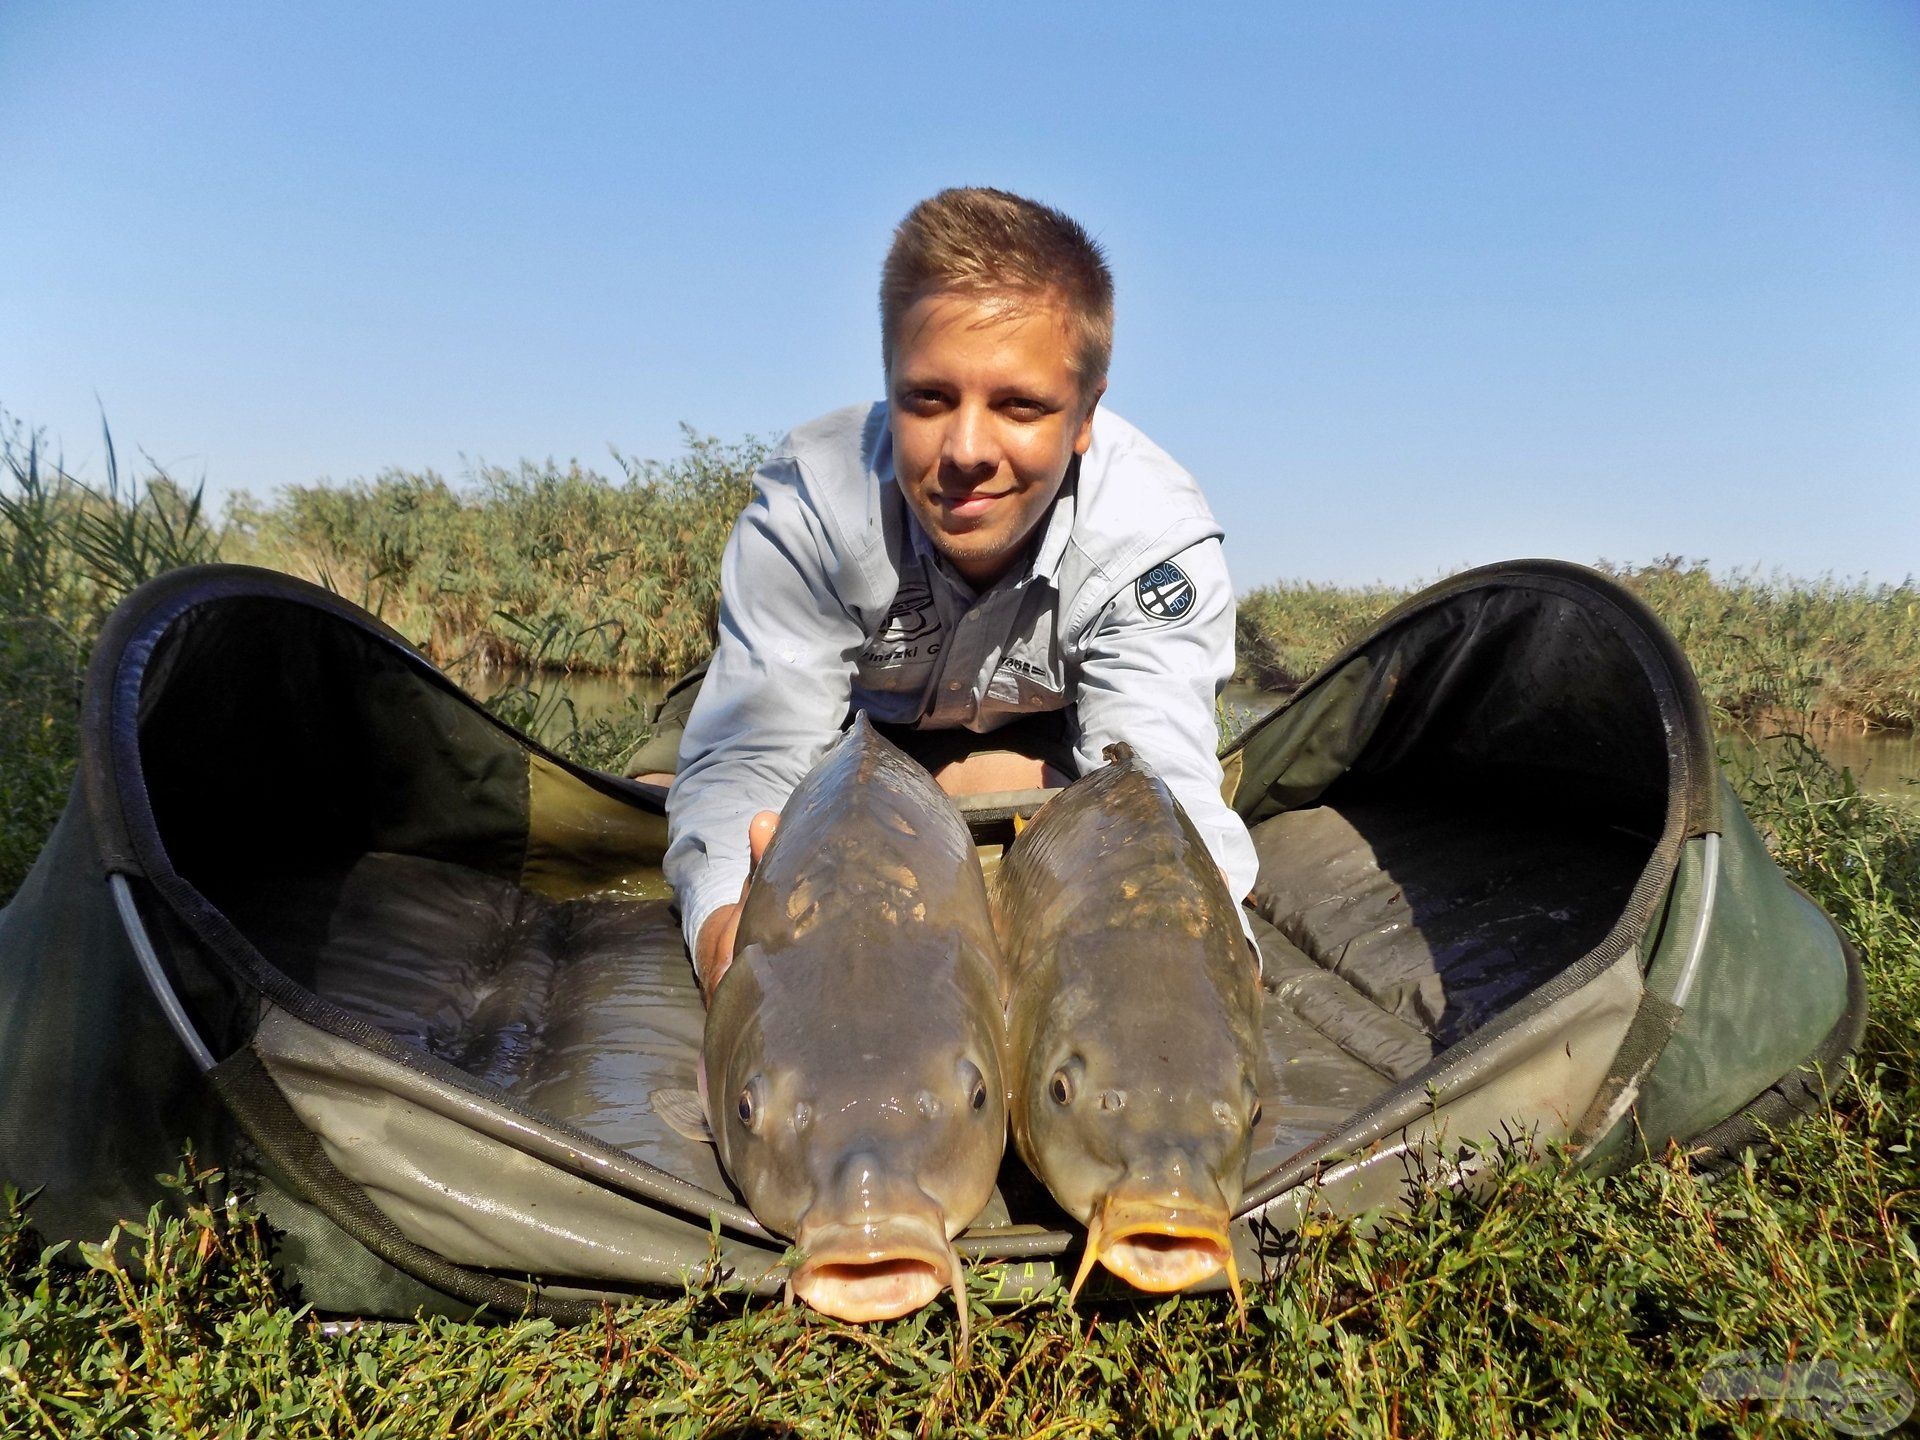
(953, 685)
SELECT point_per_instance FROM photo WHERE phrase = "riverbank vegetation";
(525, 564)
(68, 553)
(1556, 1304)
(1829, 652)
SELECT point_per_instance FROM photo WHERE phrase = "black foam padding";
(1440, 912)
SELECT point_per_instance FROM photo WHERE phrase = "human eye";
(918, 400)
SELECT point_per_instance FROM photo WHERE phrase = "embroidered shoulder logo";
(1164, 592)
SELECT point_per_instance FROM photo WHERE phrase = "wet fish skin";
(853, 1067)
(1134, 1025)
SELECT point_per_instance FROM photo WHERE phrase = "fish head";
(1139, 1120)
(868, 1132)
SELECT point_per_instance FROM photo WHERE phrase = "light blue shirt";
(834, 599)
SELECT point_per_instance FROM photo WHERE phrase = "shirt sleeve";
(1151, 670)
(775, 693)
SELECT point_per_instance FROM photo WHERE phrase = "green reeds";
(1836, 651)
(478, 575)
(1839, 650)
(68, 554)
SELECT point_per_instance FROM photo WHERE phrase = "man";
(984, 553)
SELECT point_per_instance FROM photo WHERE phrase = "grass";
(1555, 1304)
(1827, 651)
(523, 564)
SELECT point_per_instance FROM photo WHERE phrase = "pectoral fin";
(682, 1111)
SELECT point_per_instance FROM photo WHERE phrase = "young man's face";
(987, 414)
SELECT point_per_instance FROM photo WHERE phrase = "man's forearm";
(774, 696)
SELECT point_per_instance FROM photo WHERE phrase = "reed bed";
(68, 553)
(1828, 651)
(526, 566)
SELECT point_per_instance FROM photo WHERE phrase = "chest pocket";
(1020, 684)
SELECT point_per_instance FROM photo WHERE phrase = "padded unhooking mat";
(578, 1008)
(413, 978)
(1442, 914)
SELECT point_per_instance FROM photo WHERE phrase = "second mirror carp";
(1134, 1026)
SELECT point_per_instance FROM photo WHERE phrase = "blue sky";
(1407, 286)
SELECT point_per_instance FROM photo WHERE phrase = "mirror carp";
(1134, 1026)
(852, 1072)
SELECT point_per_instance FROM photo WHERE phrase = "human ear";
(1085, 436)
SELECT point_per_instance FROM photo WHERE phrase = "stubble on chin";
(975, 547)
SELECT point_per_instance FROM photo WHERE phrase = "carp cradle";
(411, 977)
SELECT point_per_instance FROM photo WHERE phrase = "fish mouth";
(1160, 1247)
(876, 1270)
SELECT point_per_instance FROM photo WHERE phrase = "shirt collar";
(1059, 528)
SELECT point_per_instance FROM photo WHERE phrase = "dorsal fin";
(1118, 753)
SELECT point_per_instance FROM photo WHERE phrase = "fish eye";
(1062, 1087)
(974, 1084)
(747, 1107)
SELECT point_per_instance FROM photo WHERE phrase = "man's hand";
(713, 953)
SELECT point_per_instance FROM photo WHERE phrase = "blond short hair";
(976, 241)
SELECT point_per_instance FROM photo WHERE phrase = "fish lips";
(1160, 1244)
(876, 1268)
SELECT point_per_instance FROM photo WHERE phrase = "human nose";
(970, 446)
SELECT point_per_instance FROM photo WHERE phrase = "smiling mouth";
(972, 502)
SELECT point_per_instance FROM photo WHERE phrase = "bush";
(626, 571)
(1826, 650)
